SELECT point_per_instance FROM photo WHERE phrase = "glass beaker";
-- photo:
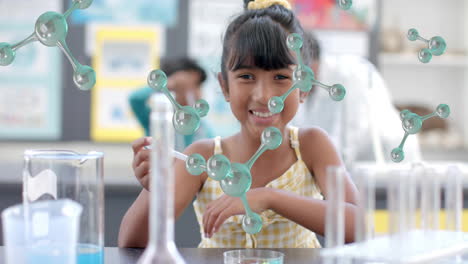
(56, 174)
(43, 232)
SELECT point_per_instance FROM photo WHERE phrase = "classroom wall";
(75, 103)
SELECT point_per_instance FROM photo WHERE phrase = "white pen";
(176, 154)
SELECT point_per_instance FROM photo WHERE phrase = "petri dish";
(253, 256)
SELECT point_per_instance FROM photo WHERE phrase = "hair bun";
(246, 3)
(261, 4)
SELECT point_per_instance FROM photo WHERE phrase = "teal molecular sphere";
(195, 164)
(443, 111)
(294, 41)
(303, 77)
(303, 73)
(238, 182)
(235, 178)
(271, 138)
(84, 77)
(218, 167)
(413, 34)
(202, 107)
(412, 123)
(437, 45)
(252, 223)
(397, 155)
(83, 4)
(404, 113)
(275, 104)
(425, 55)
(337, 92)
(51, 28)
(186, 120)
(157, 80)
(345, 4)
(7, 54)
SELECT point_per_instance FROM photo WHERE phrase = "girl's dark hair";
(314, 46)
(257, 38)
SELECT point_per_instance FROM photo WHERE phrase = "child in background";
(185, 78)
(288, 183)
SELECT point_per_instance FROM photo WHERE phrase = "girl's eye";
(281, 77)
(246, 76)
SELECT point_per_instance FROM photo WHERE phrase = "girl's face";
(248, 89)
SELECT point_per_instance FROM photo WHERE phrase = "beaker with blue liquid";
(57, 174)
(44, 232)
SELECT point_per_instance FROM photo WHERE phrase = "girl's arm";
(318, 152)
(309, 212)
(134, 227)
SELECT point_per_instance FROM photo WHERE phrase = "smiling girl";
(289, 183)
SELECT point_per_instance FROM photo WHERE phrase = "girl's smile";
(262, 117)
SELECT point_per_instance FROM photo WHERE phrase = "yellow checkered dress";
(277, 231)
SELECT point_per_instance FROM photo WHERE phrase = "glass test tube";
(454, 204)
(454, 199)
(430, 200)
(397, 198)
(418, 175)
(364, 222)
(161, 247)
(334, 218)
(413, 198)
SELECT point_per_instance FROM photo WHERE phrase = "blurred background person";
(185, 78)
(365, 126)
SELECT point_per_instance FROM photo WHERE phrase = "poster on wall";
(124, 57)
(30, 87)
(208, 20)
(124, 11)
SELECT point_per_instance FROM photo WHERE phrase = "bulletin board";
(124, 57)
(30, 87)
(124, 12)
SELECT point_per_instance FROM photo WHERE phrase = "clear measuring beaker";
(45, 232)
(56, 174)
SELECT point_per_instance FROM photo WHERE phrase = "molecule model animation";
(235, 178)
(436, 46)
(303, 78)
(345, 4)
(412, 124)
(186, 119)
(51, 30)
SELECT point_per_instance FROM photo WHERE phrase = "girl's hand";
(141, 160)
(226, 206)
